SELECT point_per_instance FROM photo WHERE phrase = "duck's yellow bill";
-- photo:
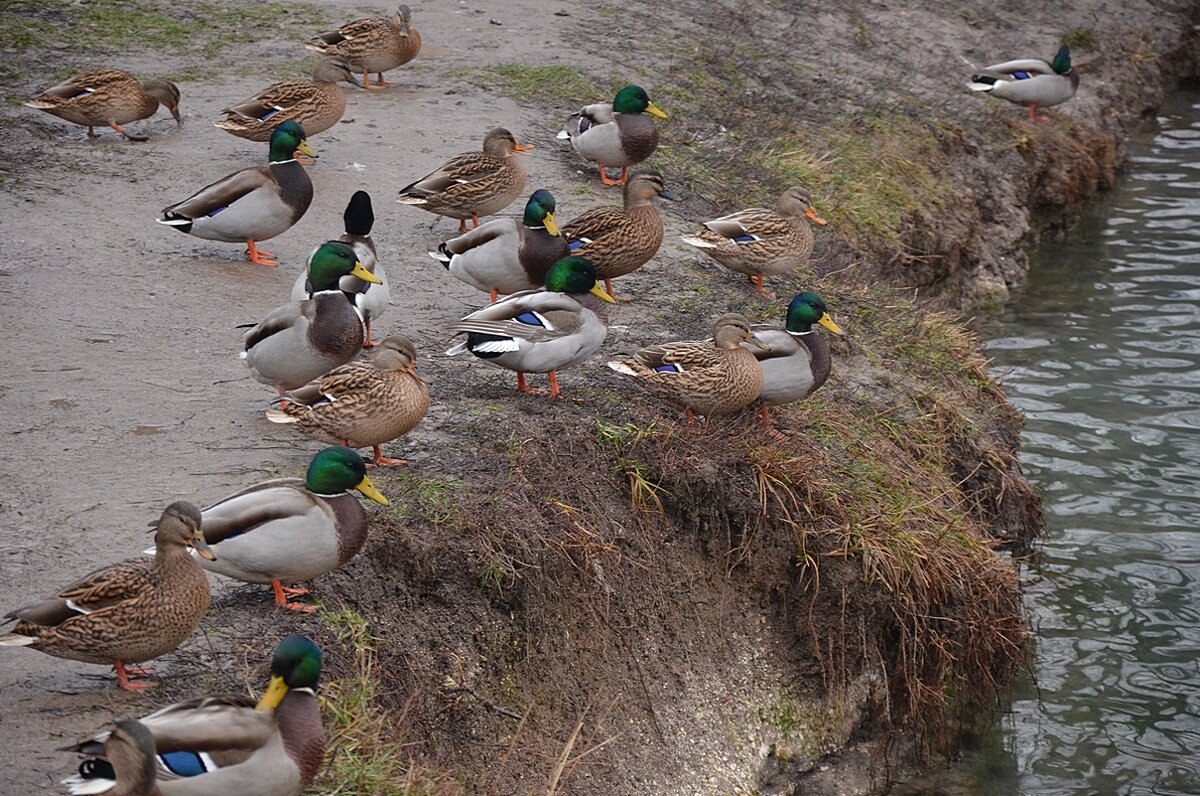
(524, 148)
(654, 110)
(602, 294)
(828, 323)
(813, 217)
(758, 343)
(552, 225)
(305, 149)
(276, 690)
(367, 488)
(202, 549)
(362, 273)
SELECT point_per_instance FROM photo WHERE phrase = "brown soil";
(725, 643)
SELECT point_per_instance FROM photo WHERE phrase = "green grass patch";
(562, 86)
(1082, 39)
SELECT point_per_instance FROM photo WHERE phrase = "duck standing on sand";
(253, 204)
(108, 97)
(375, 45)
(1030, 81)
(615, 134)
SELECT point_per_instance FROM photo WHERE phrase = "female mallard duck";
(373, 45)
(618, 242)
(758, 241)
(473, 184)
(797, 361)
(708, 378)
(127, 612)
(252, 204)
(299, 341)
(108, 97)
(1030, 81)
(217, 745)
(506, 255)
(371, 300)
(316, 104)
(541, 331)
(291, 530)
(615, 134)
(361, 403)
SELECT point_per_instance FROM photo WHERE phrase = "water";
(1102, 352)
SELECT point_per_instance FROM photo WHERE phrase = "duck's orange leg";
(604, 178)
(757, 279)
(608, 288)
(474, 220)
(690, 416)
(260, 257)
(462, 225)
(282, 594)
(554, 392)
(368, 342)
(367, 84)
(124, 682)
(495, 295)
(383, 461)
(91, 132)
(764, 415)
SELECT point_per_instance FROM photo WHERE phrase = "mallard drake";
(217, 745)
(371, 300)
(709, 378)
(291, 530)
(797, 361)
(252, 204)
(108, 97)
(366, 402)
(620, 241)
(615, 134)
(301, 340)
(127, 612)
(316, 104)
(506, 255)
(1030, 81)
(758, 241)
(541, 331)
(472, 184)
(373, 45)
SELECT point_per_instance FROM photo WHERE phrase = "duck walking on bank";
(711, 377)
(1030, 81)
(376, 44)
(541, 331)
(797, 360)
(292, 530)
(618, 241)
(762, 242)
(108, 97)
(298, 342)
(316, 104)
(506, 255)
(224, 745)
(253, 204)
(615, 134)
(370, 299)
(128, 612)
(367, 402)
(473, 184)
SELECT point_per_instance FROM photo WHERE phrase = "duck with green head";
(253, 204)
(797, 361)
(506, 255)
(1030, 81)
(541, 331)
(615, 134)
(299, 341)
(291, 530)
(217, 745)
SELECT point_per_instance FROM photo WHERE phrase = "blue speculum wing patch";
(575, 245)
(268, 114)
(668, 369)
(212, 213)
(529, 319)
(745, 239)
(1022, 75)
(185, 763)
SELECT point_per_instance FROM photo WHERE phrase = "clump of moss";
(563, 86)
(1081, 39)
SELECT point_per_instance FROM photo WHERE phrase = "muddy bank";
(577, 597)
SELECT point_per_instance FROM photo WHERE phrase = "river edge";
(773, 736)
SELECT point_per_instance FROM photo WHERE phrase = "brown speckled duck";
(129, 612)
(299, 341)
(702, 377)
(316, 104)
(759, 241)
(619, 241)
(366, 402)
(110, 98)
(217, 745)
(505, 255)
(472, 184)
(373, 45)
(615, 134)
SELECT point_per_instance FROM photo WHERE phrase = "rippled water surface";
(1102, 352)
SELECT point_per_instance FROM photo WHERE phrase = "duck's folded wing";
(593, 224)
(1034, 65)
(480, 235)
(250, 508)
(280, 319)
(465, 168)
(753, 222)
(222, 193)
(226, 721)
